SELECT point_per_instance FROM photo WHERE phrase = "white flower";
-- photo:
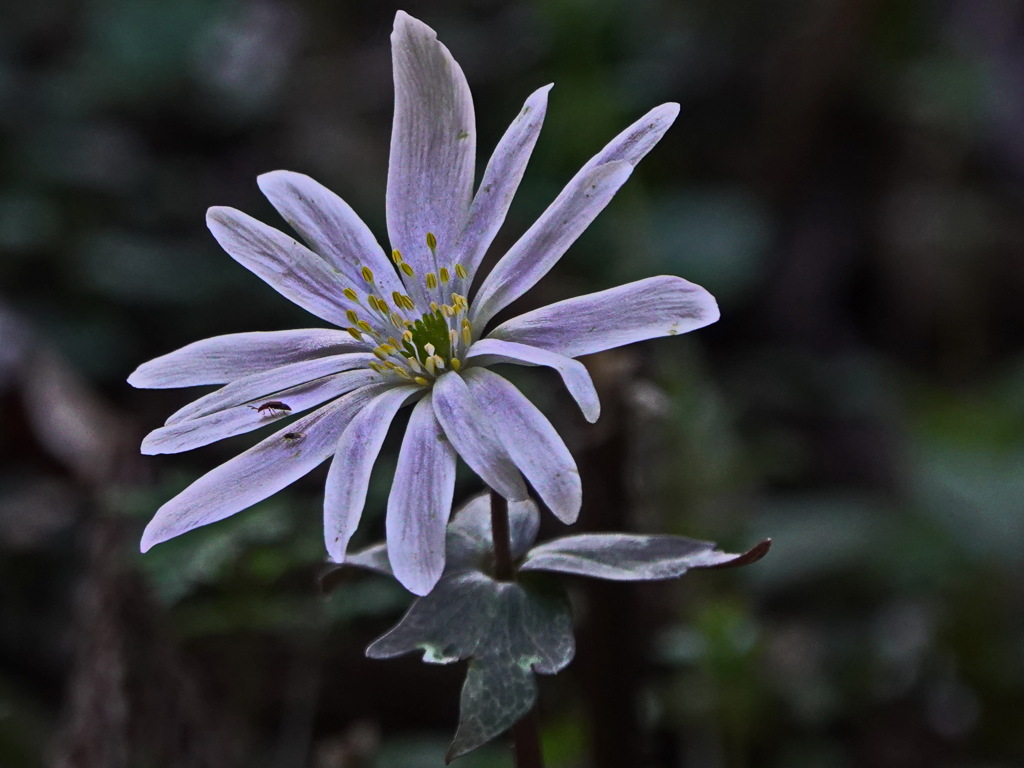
(408, 332)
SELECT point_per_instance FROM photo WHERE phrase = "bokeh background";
(846, 176)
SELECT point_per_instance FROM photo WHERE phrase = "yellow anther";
(429, 349)
(431, 280)
(352, 316)
(367, 274)
(393, 342)
(467, 333)
(461, 271)
(377, 367)
(447, 311)
(434, 306)
(396, 256)
(431, 242)
(396, 320)
(380, 354)
(444, 274)
(403, 373)
(365, 327)
(354, 334)
(407, 302)
(404, 266)
(372, 301)
(396, 297)
(350, 294)
(421, 381)
(438, 361)
(407, 336)
(414, 364)
(456, 364)
(453, 336)
(387, 349)
(430, 365)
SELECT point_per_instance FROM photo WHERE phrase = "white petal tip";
(418, 584)
(592, 415)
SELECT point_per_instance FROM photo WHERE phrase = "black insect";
(272, 407)
(293, 436)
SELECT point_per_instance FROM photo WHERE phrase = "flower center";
(416, 340)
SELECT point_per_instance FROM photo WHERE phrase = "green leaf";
(628, 557)
(508, 630)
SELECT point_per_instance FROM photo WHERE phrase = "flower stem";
(499, 534)
(525, 735)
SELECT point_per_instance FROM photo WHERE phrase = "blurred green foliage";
(847, 177)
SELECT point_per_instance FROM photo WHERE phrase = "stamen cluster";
(411, 343)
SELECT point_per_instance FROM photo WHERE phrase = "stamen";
(365, 327)
(404, 266)
(367, 274)
(430, 349)
(352, 316)
(396, 256)
(430, 365)
(431, 280)
(351, 295)
(456, 364)
(461, 271)
(467, 332)
(431, 242)
(397, 298)
(355, 334)
(421, 381)
(444, 275)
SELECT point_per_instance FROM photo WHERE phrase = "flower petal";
(583, 198)
(548, 239)
(260, 472)
(531, 441)
(433, 145)
(239, 419)
(499, 184)
(470, 432)
(266, 385)
(657, 306)
(221, 359)
(633, 144)
(289, 268)
(421, 501)
(331, 227)
(487, 352)
(349, 476)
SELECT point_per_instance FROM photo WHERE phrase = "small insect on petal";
(292, 437)
(272, 407)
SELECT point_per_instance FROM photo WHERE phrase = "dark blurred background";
(846, 176)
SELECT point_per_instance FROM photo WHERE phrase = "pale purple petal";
(499, 184)
(221, 359)
(421, 501)
(537, 251)
(531, 441)
(330, 227)
(433, 145)
(565, 219)
(349, 476)
(260, 472)
(487, 352)
(239, 419)
(288, 267)
(657, 306)
(471, 433)
(259, 388)
(633, 144)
